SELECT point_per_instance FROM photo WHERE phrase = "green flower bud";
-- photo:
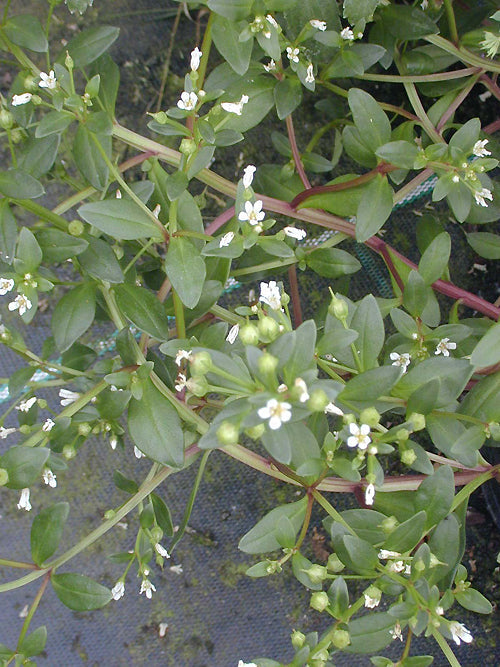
(298, 639)
(197, 385)
(25, 429)
(227, 433)
(268, 329)
(338, 308)
(273, 566)
(369, 416)
(417, 421)
(16, 136)
(109, 514)
(29, 84)
(349, 418)
(84, 429)
(249, 334)
(408, 457)
(187, 147)
(494, 429)
(4, 477)
(42, 403)
(319, 601)
(267, 363)
(69, 452)
(316, 573)
(255, 432)
(321, 657)
(389, 524)
(160, 117)
(201, 363)
(6, 119)
(156, 534)
(418, 565)
(341, 639)
(318, 401)
(76, 228)
(334, 563)
(68, 61)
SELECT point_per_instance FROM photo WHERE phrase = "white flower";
(6, 285)
(113, 441)
(369, 494)
(310, 74)
(277, 412)
(479, 149)
(25, 406)
(118, 590)
(359, 436)
(137, 453)
(156, 211)
(161, 550)
(270, 295)
(20, 303)
(373, 595)
(304, 394)
(439, 611)
(182, 354)
(48, 425)
(118, 194)
(295, 233)
(233, 334)
(424, 4)
(176, 569)
(270, 19)
(347, 34)
(444, 346)
(455, 178)
(24, 611)
(397, 566)
(188, 101)
(226, 240)
(490, 43)
(319, 25)
(246, 664)
(332, 409)
(481, 196)
(195, 59)
(49, 478)
(271, 66)
(18, 100)
(292, 54)
(235, 107)
(402, 360)
(162, 629)
(4, 432)
(24, 500)
(48, 80)
(459, 633)
(384, 554)
(147, 587)
(68, 397)
(253, 213)
(248, 173)
(396, 632)
(180, 382)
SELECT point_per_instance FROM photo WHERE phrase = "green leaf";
(88, 158)
(287, 96)
(487, 351)
(300, 565)
(291, 442)
(110, 79)
(408, 534)
(369, 119)
(54, 122)
(356, 148)
(155, 427)
(162, 515)
(99, 122)
(19, 184)
(399, 153)
(332, 262)
(474, 601)
(24, 465)
(434, 261)
(235, 10)
(121, 219)
(202, 160)
(460, 200)
(486, 245)
(420, 301)
(374, 208)
(28, 252)
(57, 246)
(79, 592)
(100, 261)
(34, 643)
(39, 155)
(359, 10)
(89, 44)
(435, 495)
(445, 545)
(8, 233)
(303, 351)
(368, 386)
(407, 22)
(465, 137)
(357, 554)
(46, 531)
(339, 597)
(261, 538)
(143, 309)
(73, 315)
(226, 38)
(366, 524)
(368, 322)
(186, 270)
(25, 30)
(370, 633)
(124, 483)
(483, 400)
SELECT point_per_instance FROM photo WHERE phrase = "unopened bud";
(109, 514)
(160, 117)
(187, 147)
(255, 432)
(249, 334)
(318, 401)
(76, 228)
(334, 563)
(369, 416)
(417, 421)
(267, 363)
(84, 429)
(268, 329)
(494, 429)
(389, 524)
(6, 119)
(227, 433)
(201, 363)
(4, 477)
(319, 601)
(408, 457)
(156, 534)
(68, 61)
(25, 429)
(197, 385)
(341, 639)
(68, 452)
(298, 639)
(338, 308)
(317, 573)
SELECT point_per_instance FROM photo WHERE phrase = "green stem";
(422, 78)
(306, 522)
(452, 24)
(42, 212)
(443, 645)
(226, 315)
(31, 612)
(6, 11)
(330, 509)
(464, 55)
(469, 488)
(17, 564)
(12, 148)
(205, 49)
(344, 93)
(425, 121)
(115, 314)
(180, 320)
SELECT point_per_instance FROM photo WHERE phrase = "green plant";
(333, 402)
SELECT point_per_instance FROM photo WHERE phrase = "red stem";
(220, 220)
(295, 152)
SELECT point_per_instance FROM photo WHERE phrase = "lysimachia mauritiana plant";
(329, 405)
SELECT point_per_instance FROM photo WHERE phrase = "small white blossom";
(180, 382)
(424, 4)
(332, 409)
(24, 611)
(195, 59)
(49, 478)
(455, 178)
(24, 500)
(292, 54)
(147, 587)
(384, 554)
(479, 149)
(277, 412)
(161, 550)
(118, 193)
(253, 213)
(235, 107)
(68, 397)
(137, 453)
(48, 80)
(156, 211)
(347, 34)
(182, 354)
(176, 569)
(270, 19)
(459, 633)
(304, 394)
(359, 436)
(444, 346)
(6, 285)
(18, 100)
(25, 406)
(233, 334)
(402, 360)
(490, 44)
(319, 25)
(248, 173)
(113, 441)
(482, 195)
(188, 101)
(246, 664)
(310, 74)
(397, 566)
(48, 425)
(20, 303)
(373, 595)
(369, 494)
(4, 432)
(226, 240)
(282, 388)
(396, 632)
(162, 629)
(439, 611)
(295, 233)
(271, 66)
(270, 295)
(118, 590)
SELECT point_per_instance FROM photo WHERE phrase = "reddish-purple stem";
(220, 220)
